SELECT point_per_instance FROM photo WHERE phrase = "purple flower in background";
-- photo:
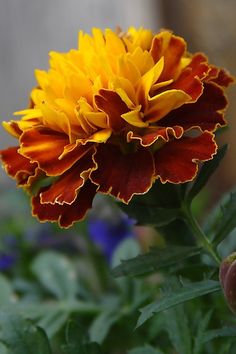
(108, 233)
(6, 261)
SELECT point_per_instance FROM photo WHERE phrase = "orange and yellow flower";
(113, 116)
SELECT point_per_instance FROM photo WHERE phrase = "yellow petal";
(134, 117)
(55, 119)
(162, 104)
(97, 119)
(114, 44)
(29, 113)
(99, 137)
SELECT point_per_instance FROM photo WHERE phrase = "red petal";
(65, 214)
(111, 103)
(176, 161)
(206, 113)
(190, 79)
(123, 175)
(64, 190)
(224, 78)
(199, 65)
(44, 146)
(16, 165)
(150, 135)
(172, 53)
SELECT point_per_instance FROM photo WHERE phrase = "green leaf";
(101, 326)
(77, 340)
(150, 214)
(154, 260)
(227, 220)
(202, 325)
(186, 292)
(147, 349)
(53, 321)
(21, 336)
(158, 207)
(6, 293)
(206, 172)
(217, 333)
(3, 349)
(56, 274)
(177, 327)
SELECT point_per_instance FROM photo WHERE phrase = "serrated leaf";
(56, 274)
(202, 325)
(156, 259)
(21, 336)
(101, 326)
(147, 349)
(177, 327)
(217, 333)
(206, 172)
(227, 220)
(185, 293)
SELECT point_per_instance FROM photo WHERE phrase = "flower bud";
(228, 280)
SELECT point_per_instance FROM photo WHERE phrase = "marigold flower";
(113, 116)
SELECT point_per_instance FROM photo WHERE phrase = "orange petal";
(64, 190)
(172, 48)
(110, 102)
(177, 161)
(44, 146)
(149, 136)
(16, 165)
(207, 113)
(123, 175)
(65, 214)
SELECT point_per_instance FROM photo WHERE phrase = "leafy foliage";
(155, 260)
(186, 292)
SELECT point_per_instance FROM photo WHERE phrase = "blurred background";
(30, 29)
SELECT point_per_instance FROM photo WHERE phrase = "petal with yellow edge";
(149, 136)
(172, 48)
(45, 146)
(16, 165)
(207, 113)
(177, 161)
(64, 190)
(122, 174)
(65, 214)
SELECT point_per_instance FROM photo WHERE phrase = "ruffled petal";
(223, 78)
(123, 175)
(46, 147)
(16, 165)
(64, 190)
(149, 136)
(177, 161)
(207, 113)
(65, 214)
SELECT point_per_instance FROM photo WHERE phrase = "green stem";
(200, 235)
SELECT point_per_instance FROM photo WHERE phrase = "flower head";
(113, 116)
